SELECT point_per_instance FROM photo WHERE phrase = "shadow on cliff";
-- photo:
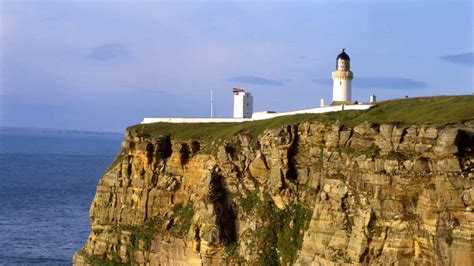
(223, 208)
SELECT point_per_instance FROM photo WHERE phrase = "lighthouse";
(243, 101)
(342, 79)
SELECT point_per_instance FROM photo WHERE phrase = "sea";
(47, 183)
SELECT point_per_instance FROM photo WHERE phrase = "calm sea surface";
(47, 183)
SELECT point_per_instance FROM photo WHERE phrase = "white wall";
(373, 98)
(243, 105)
(255, 116)
(341, 90)
(318, 110)
(238, 105)
(248, 105)
(179, 120)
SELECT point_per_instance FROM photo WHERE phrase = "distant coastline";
(54, 130)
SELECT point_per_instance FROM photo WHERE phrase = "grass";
(146, 233)
(231, 251)
(182, 215)
(394, 155)
(249, 202)
(370, 152)
(293, 222)
(212, 132)
(97, 260)
(438, 110)
(280, 233)
(118, 159)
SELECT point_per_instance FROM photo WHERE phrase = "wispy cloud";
(466, 59)
(325, 82)
(389, 83)
(152, 90)
(380, 83)
(256, 81)
(108, 52)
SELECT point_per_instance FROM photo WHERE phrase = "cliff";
(391, 185)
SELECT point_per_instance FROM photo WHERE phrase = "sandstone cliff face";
(307, 194)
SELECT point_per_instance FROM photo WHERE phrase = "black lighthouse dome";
(343, 55)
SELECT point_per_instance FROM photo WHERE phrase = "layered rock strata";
(306, 194)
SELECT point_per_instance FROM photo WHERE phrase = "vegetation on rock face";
(141, 236)
(145, 233)
(231, 251)
(280, 234)
(182, 215)
(449, 239)
(394, 155)
(370, 152)
(96, 260)
(118, 159)
(249, 202)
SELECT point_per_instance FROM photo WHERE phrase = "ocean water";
(47, 183)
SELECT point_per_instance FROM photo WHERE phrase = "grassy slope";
(427, 110)
(439, 110)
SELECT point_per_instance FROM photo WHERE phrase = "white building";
(342, 79)
(243, 103)
(373, 99)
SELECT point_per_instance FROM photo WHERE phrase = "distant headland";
(54, 130)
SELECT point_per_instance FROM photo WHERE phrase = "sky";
(103, 65)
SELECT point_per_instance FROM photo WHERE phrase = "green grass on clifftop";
(438, 110)
(221, 131)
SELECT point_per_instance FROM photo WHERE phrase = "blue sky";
(102, 65)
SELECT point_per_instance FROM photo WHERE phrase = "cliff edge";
(391, 185)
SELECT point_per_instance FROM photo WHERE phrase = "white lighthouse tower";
(342, 78)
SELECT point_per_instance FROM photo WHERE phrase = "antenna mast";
(212, 104)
